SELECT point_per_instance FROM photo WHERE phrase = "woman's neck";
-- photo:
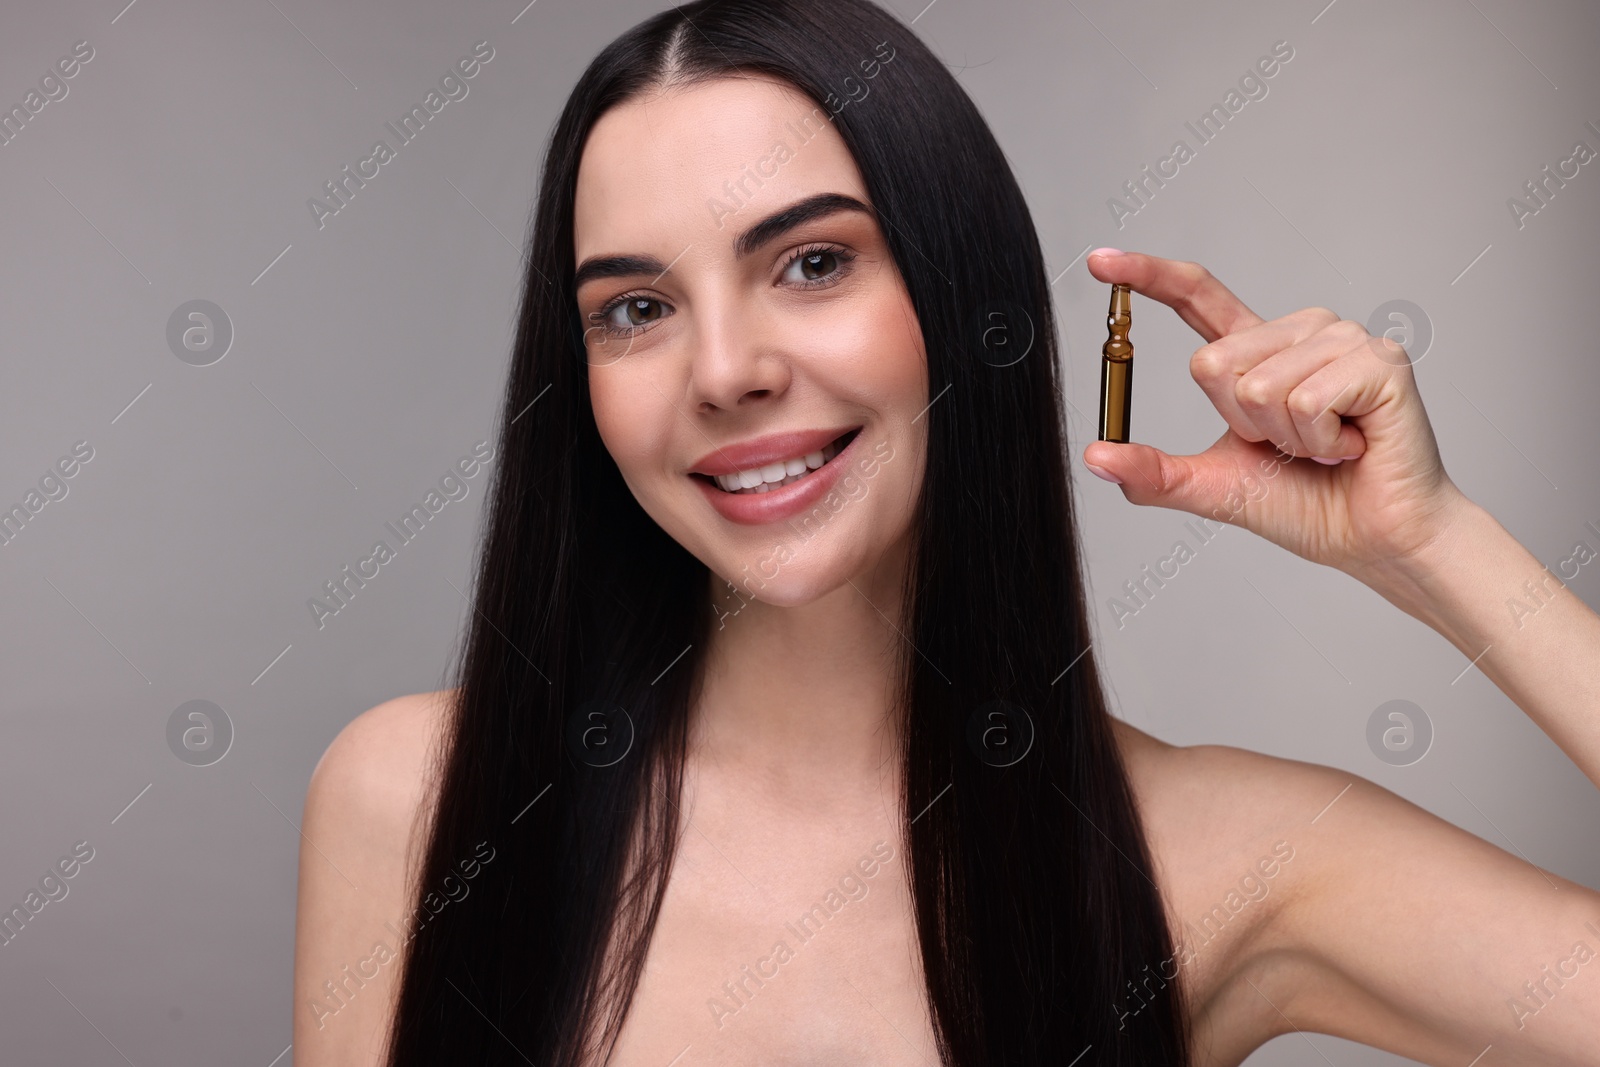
(804, 691)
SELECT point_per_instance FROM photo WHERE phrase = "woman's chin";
(776, 582)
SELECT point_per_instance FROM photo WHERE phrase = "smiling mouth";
(778, 475)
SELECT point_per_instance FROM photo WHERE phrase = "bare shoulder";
(1215, 798)
(1229, 830)
(380, 758)
(1211, 811)
(1307, 897)
(365, 811)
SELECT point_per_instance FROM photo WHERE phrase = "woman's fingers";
(1202, 301)
(1301, 394)
(1198, 484)
(1247, 374)
(1287, 381)
(1308, 384)
(1237, 338)
(1317, 403)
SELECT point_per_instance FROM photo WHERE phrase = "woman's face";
(734, 343)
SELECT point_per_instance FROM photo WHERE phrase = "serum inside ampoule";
(1116, 368)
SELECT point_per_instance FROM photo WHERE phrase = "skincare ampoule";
(1116, 368)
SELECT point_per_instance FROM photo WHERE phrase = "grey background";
(369, 355)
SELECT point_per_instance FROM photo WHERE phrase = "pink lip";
(775, 505)
(760, 451)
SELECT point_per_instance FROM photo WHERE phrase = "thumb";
(1150, 476)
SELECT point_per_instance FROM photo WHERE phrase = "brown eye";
(638, 313)
(817, 267)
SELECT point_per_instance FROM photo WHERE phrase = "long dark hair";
(1040, 930)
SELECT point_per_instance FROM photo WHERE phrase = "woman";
(778, 736)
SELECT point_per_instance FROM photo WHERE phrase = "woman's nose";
(735, 356)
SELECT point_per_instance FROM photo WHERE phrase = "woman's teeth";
(776, 475)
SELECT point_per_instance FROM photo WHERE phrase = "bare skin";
(1378, 922)
(1334, 946)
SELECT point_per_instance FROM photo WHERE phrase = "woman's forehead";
(681, 162)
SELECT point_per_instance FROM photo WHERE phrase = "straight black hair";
(1022, 843)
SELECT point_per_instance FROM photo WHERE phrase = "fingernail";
(1356, 456)
(1330, 462)
(1106, 252)
(1103, 473)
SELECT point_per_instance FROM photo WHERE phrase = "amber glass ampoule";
(1116, 368)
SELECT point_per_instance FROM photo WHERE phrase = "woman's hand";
(1367, 492)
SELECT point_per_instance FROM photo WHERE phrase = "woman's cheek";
(637, 434)
(620, 425)
(899, 366)
(877, 350)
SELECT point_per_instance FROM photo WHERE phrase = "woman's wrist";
(1459, 581)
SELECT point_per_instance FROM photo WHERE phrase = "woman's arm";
(1390, 927)
(361, 817)
(1394, 927)
(1329, 453)
(1513, 619)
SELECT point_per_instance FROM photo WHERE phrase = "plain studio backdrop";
(224, 468)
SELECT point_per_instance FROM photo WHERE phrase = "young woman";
(778, 736)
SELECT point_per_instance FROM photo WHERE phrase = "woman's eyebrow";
(772, 226)
(785, 219)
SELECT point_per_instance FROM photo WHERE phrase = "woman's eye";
(640, 310)
(636, 313)
(808, 268)
(817, 265)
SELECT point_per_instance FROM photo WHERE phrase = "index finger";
(1188, 288)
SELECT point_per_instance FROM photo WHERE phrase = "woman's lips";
(757, 452)
(775, 505)
(782, 473)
